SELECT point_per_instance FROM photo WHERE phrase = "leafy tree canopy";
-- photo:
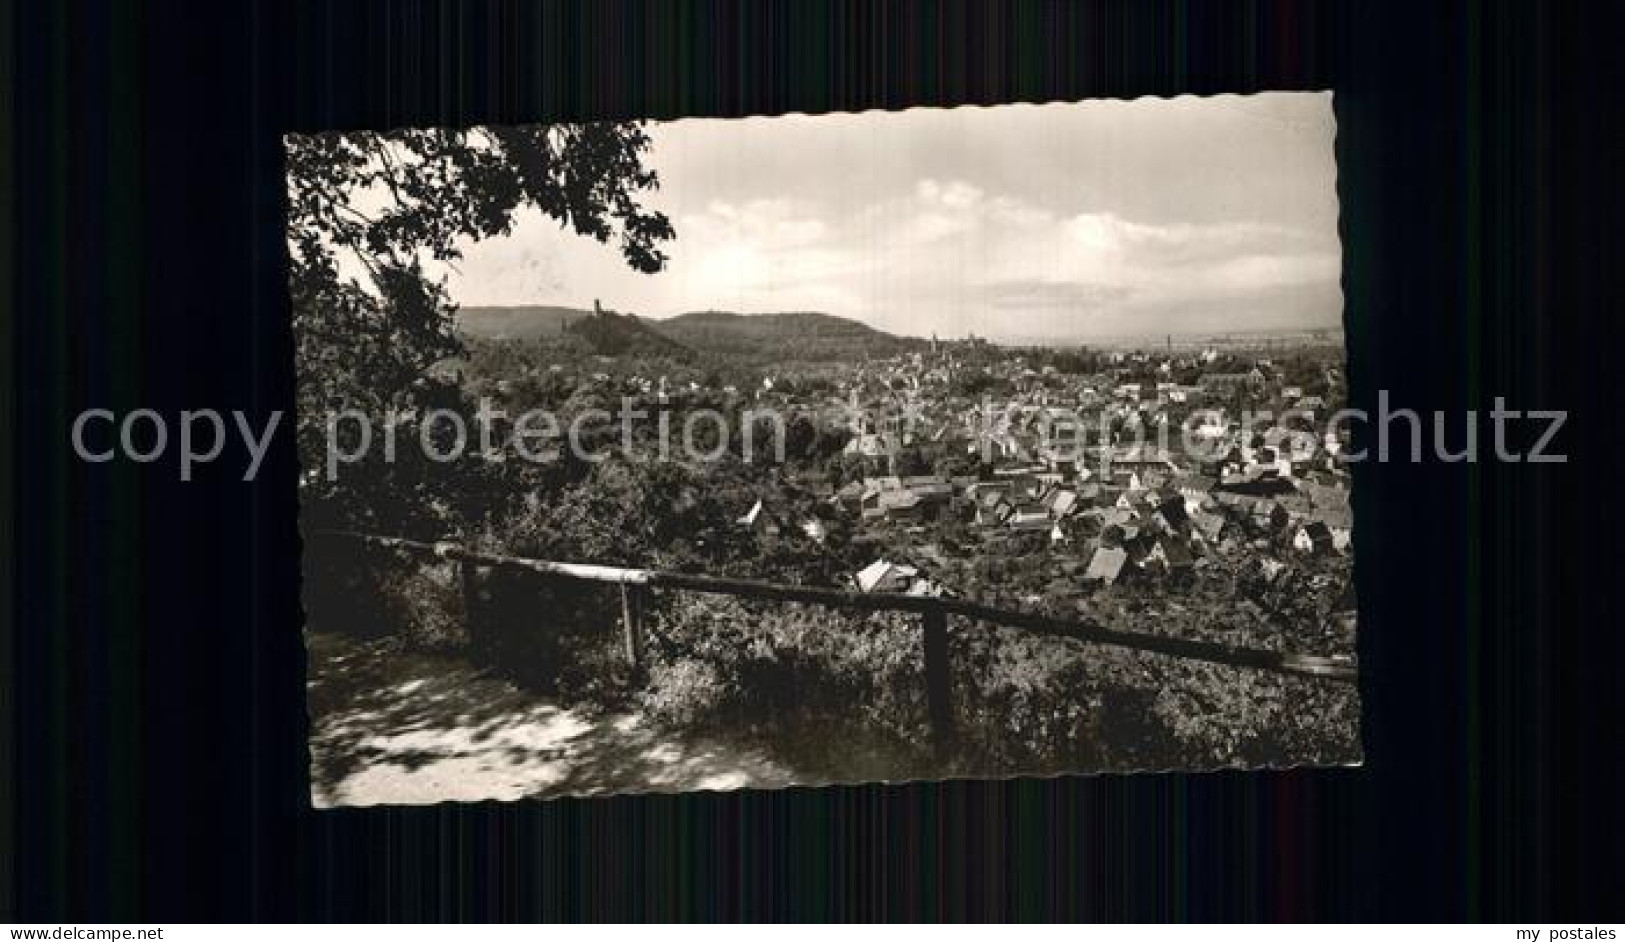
(368, 212)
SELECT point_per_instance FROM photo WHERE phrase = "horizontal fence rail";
(933, 608)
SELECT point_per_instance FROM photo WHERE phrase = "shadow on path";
(392, 726)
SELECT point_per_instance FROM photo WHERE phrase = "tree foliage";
(370, 213)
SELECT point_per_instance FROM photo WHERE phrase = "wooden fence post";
(938, 684)
(632, 624)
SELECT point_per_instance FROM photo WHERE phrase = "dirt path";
(390, 726)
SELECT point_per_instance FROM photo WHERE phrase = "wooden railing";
(934, 611)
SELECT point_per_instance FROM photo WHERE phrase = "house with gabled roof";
(1313, 538)
(1329, 504)
(1106, 565)
(1195, 489)
(1060, 502)
(1208, 527)
(886, 576)
(1145, 550)
(1028, 517)
(902, 505)
(849, 496)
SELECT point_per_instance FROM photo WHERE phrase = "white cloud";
(1061, 220)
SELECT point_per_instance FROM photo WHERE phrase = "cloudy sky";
(1069, 221)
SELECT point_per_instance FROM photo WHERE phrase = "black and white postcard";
(716, 454)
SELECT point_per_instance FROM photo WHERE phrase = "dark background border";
(153, 676)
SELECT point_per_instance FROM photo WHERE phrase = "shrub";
(843, 694)
(365, 591)
(555, 636)
(826, 690)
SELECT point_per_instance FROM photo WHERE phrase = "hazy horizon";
(1012, 339)
(1060, 222)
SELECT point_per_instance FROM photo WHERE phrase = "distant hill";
(525, 322)
(801, 335)
(615, 335)
(739, 338)
(609, 334)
